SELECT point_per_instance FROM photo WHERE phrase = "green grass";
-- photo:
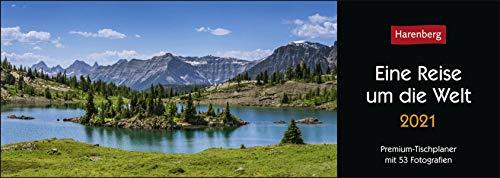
(75, 160)
(98, 99)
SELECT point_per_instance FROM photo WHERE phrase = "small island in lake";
(309, 120)
(148, 111)
(22, 117)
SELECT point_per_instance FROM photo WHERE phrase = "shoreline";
(38, 100)
(131, 150)
(52, 157)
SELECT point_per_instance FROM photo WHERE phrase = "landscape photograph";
(168, 88)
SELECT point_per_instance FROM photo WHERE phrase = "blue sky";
(103, 32)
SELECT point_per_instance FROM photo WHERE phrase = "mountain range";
(171, 69)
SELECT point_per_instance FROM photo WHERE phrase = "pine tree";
(226, 115)
(318, 70)
(161, 91)
(245, 77)
(274, 78)
(150, 104)
(292, 134)
(305, 71)
(89, 107)
(133, 103)
(119, 104)
(171, 109)
(289, 73)
(210, 111)
(5, 63)
(30, 74)
(35, 73)
(10, 79)
(285, 99)
(258, 79)
(20, 83)
(66, 96)
(88, 80)
(47, 93)
(83, 84)
(266, 77)
(159, 107)
(318, 79)
(171, 92)
(190, 111)
(298, 71)
(153, 91)
(102, 110)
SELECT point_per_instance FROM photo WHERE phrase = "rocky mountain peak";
(79, 64)
(40, 66)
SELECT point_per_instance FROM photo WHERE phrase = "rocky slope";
(219, 69)
(249, 94)
(140, 74)
(295, 53)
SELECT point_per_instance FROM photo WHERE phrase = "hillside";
(66, 157)
(33, 91)
(299, 93)
(25, 86)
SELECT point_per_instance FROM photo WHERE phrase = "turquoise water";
(260, 131)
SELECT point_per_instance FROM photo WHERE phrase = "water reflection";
(260, 131)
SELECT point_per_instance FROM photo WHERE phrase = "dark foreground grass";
(79, 159)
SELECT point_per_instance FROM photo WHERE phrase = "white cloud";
(220, 31)
(201, 29)
(298, 22)
(217, 31)
(316, 26)
(103, 33)
(37, 48)
(109, 33)
(11, 35)
(246, 55)
(124, 54)
(85, 34)
(316, 18)
(137, 36)
(25, 59)
(57, 43)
